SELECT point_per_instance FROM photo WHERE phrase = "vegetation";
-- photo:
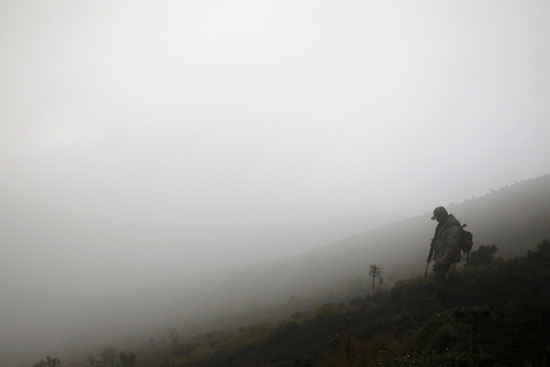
(483, 256)
(375, 272)
(514, 217)
(48, 362)
(112, 357)
(492, 313)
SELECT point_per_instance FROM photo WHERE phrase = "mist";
(144, 146)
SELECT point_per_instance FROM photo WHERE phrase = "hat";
(439, 211)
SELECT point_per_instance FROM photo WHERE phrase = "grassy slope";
(497, 314)
(515, 218)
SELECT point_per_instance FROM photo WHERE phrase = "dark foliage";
(483, 255)
(127, 360)
(111, 357)
(515, 217)
(496, 313)
(48, 362)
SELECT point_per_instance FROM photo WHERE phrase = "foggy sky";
(145, 140)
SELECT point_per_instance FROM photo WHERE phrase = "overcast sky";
(154, 138)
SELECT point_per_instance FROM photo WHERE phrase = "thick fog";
(143, 143)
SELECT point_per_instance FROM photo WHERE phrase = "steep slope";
(497, 314)
(515, 218)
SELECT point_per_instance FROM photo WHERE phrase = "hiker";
(446, 242)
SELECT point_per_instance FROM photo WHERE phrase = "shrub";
(483, 255)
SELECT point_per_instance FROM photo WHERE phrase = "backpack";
(466, 243)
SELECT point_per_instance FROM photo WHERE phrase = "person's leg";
(441, 271)
(440, 275)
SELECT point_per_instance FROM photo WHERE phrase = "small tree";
(375, 272)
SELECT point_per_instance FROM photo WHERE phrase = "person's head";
(440, 214)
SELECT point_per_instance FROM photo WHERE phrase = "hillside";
(493, 313)
(515, 218)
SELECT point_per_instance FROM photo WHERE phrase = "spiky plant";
(375, 272)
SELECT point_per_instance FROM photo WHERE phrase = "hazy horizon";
(146, 141)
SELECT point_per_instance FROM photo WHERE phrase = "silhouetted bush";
(48, 362)
(483, 255)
